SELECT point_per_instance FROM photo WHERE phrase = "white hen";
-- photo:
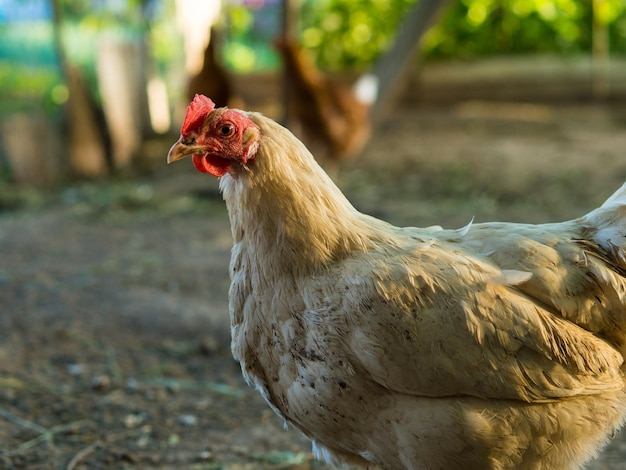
(492, 347)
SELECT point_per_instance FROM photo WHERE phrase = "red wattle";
(216, 166)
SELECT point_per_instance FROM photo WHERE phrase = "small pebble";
(133, 420)
(187, 420)
(206, 455)
(173, 440)
(132, 383)
(75, 369)
(100, 382)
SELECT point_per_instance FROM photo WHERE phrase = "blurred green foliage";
(340, 34)
(346, 34)
(477, 28)
(251, 32)
(30, 72)
(28, 67)
(352, 33)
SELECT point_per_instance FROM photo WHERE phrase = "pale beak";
(181, 150)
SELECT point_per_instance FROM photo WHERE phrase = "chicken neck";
(284, 209)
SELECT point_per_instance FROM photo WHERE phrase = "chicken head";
(215, 137)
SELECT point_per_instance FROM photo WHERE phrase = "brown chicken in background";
(495, 346)
(213, 79)
(330, 117)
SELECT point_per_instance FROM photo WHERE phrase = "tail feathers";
(608, 225)
(618, 198)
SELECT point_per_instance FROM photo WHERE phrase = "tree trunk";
(88, 156)
(290, 30)
(122, 80)
(391, 68)
(601, 81)
(34, 149)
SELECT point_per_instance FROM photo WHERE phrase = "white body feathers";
(495, 346)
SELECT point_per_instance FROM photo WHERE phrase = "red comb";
(196, 112)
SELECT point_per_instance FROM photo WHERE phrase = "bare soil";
(114, 339)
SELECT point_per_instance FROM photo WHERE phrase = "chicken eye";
(226, 130)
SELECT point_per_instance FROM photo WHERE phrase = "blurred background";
(96, 80)
(114, 329)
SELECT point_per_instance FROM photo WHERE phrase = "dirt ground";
(114, 340)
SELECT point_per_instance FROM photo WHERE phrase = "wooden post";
(121, 71)
(290, 26)
(392, 66)
(600, 59)
(87, 151)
